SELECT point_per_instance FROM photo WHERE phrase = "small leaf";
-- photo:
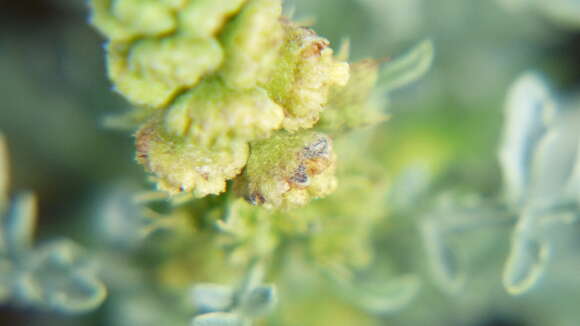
(20, 224)
(408, 68)
(526, 264)
(82, 293)
(212, 297)
(528, 104)
(219, 319)
(554, 160)
(259, 301)
(445, 263)
(61, 277)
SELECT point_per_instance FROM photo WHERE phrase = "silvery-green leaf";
(554, 160)
(82, 293)
(65, 278)
(210, 297)
(446, 265)
(387, 297)
(407, 68)
(527, 260)
(219, 319)
(4, 175)
(20, 224)
(528, 103)
(259, 301)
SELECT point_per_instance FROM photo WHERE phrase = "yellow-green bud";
(251, 42)
(180, 165)
(305, 71)
(151, 72)
(124, 20)
(205, 18)
(288, 170)
(213, 113)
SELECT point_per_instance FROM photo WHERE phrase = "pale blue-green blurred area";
(449, 228)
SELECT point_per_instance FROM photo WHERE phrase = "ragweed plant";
(253, 130)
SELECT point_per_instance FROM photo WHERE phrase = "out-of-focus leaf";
(219, 319)
(259, 301)
(528, 103)
(445, 263)
(527, 260)
(387, 297)
(20, 224)
(407, 68)
(554, 160)
(212, 297)
(62, 278)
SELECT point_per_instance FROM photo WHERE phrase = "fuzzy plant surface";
(254, 131)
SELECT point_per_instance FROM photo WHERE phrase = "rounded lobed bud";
(151, 72)
(180, 165)
(124, 20)
(287, 170)
(305, 71)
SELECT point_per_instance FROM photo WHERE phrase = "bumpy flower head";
(227, 90)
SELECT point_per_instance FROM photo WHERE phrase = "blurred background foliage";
(439, 151)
